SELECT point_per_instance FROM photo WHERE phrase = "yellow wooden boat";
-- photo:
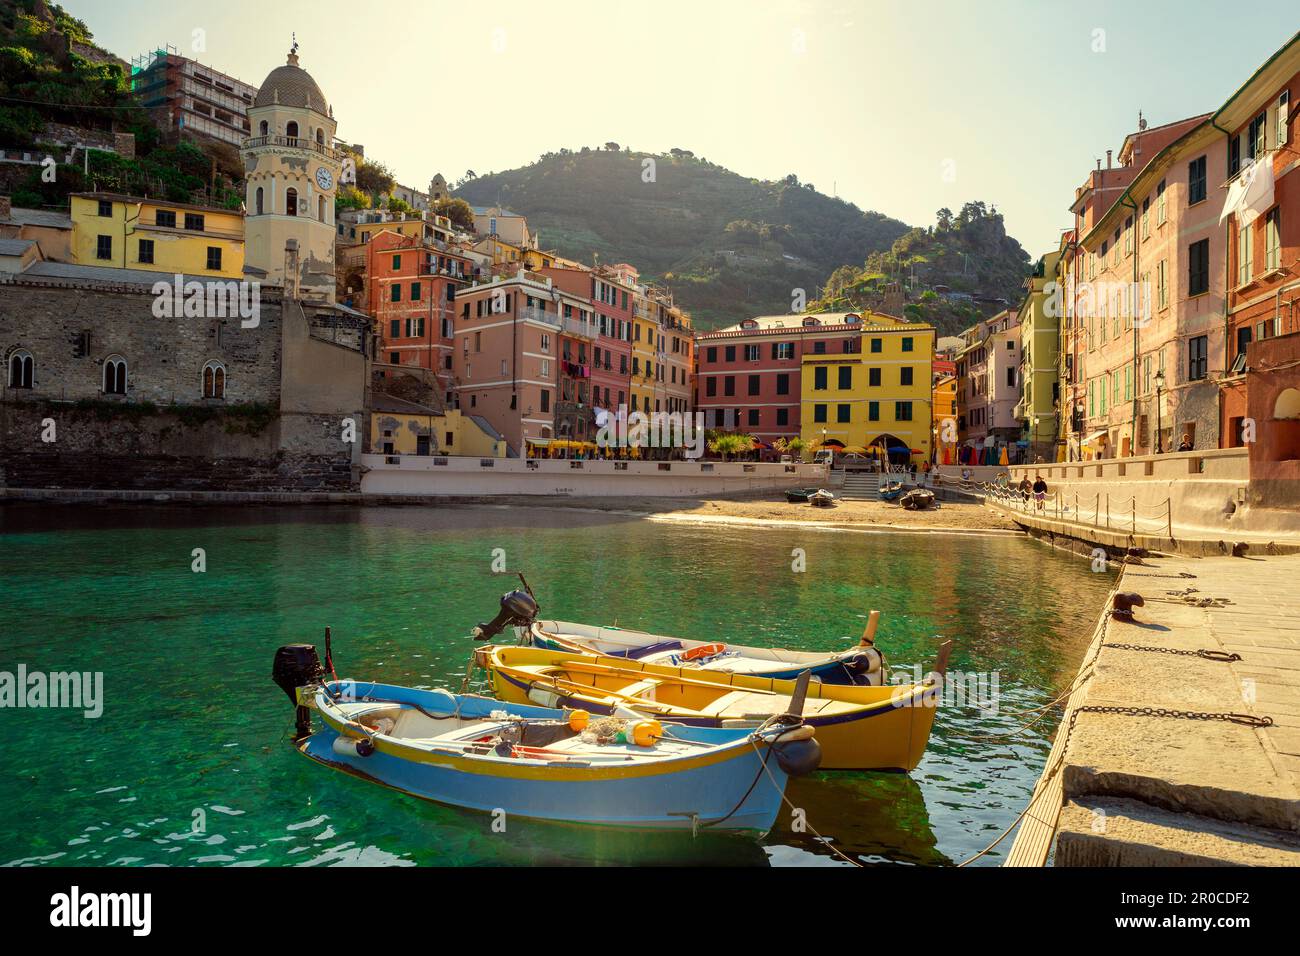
(859, 728)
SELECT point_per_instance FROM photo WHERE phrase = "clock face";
(324, 178)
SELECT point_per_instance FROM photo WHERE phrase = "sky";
(901, 107)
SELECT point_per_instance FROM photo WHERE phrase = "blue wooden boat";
(545, 764)
(890, 490)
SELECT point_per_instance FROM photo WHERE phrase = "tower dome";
(291, 85)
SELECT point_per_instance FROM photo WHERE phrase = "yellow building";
(128, 232)
(509, 254)
(879, 395)
(400, 427)
(645, 351)
(1040, 346)
(945, 419)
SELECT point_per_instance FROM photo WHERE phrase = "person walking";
(1040, 491)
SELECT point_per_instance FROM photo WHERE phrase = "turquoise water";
(190, 762)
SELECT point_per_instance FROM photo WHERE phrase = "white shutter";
(1283, 109)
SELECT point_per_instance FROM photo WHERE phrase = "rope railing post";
(1169, 518)
(1096, 511)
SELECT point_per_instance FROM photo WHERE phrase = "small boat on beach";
(802, 496)
(890, 490)
(917, 499)
(821, 498)
(862, 664)
(857, 728)
(624, 770)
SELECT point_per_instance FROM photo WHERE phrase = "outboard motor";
(518, 609)
(297, 665)
(798, 752)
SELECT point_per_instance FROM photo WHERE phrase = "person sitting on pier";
(1186, 443)
(1040, 490)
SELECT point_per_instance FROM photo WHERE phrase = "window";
(394, 293)
(395, 328)
(1197, 358)
(115, 375)
(819, 413)
(214, 258)
(877, 344)
(1243, 342)
(783, 416)
(144, 253)
(21, 369)
(394, 358)
(1283, 112)
(291, 202)
(214, 380)
(1245, 253)
(105, 208)
(1146, 217)
(783, 350)
(103, 247)
(819, 348)
(1273, 239)
(262, 128)
(1196, 181)
(1162, 286)
(842, 413)
(907, 343)
(753, 385)
(711, 354)
(165, 218)
(873, 411)
(546, 400)
(751, 353)
(193, 222)
(1198, 267)
(819, 378)
(730, 350)
(753, 416)
(415, 292)
(728, 382)
(783, 384)
(905, 375)
(902, 411)
(1011, 377)
(291, 129)
(846, 376)
(1160, 203)
(873, 377)
(1255, 136)
(711, 386)
(259, 198)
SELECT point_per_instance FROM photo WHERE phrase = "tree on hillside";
(457, 210)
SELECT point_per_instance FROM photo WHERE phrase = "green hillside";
(727, 245)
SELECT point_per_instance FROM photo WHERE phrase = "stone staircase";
(860, 486)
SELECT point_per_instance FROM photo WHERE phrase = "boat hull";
(718, 789)
(889, 731)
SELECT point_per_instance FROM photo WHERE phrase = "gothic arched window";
(214, 380)
(21, 369)
(291, 130)
(115, 375)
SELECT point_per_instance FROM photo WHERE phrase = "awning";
(832, 443)
(1094, 436)
(1251, 193)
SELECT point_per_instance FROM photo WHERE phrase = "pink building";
(748, 375)
(988, 382)
(1150, 306)
(509, 357)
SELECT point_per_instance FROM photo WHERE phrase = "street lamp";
(1160, 387)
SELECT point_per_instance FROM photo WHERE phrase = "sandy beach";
(774, 510)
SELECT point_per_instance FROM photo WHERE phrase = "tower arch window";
(214, 380)
(291, 202)
(320, 207)
(260, 200)
(291, 130)
(22, 368)
(320, 136)
(263, 128)
(115, 375)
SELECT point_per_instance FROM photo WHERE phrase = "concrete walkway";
(1131, 788)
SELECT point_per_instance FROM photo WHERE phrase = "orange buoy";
(578, 720)
(646, 732)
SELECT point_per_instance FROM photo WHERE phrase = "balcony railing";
(294, 142)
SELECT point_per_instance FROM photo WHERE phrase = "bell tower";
(292, 170)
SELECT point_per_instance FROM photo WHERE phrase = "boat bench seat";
(645, 689)
(741, 703)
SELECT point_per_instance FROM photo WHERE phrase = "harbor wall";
(451, 476)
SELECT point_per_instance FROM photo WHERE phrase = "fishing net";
(603, 730)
